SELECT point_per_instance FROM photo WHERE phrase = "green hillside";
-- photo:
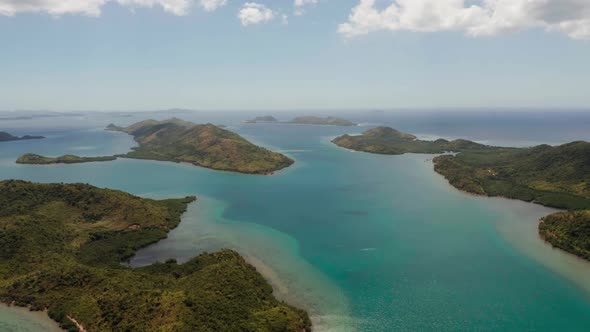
(204, 145)
(61, 248)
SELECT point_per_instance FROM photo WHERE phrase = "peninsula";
(203, 145)
(61, 249)
(5, 137)
(554, 176)
(35, 159)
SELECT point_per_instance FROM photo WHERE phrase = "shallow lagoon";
(365, 242)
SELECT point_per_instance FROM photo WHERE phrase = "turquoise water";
(364, 242)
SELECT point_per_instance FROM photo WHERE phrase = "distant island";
(35, 159)
(385, 140)
(204, 145)
(262, 119)
(327, 121)
(306, 120)
(5, 137)
(61, 249)
(554, 176)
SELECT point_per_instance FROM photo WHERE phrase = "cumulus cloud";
(300, 4)
(255, 13)
(93, 7)
(477, 18)
(211, 5)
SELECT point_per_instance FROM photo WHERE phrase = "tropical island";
(61, 249)
(5, 137)
(203, 145)
(305, 120)
(327, 121)
(554, 176)
(262, 119)
(35, 159)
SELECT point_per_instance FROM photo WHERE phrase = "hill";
(266, 118)
(61, 246)
(35, 159)
(5, 137)
(386, 140)
(201, 144)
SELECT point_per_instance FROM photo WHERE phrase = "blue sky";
(326, 54)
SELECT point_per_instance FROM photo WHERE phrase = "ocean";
(363, 242)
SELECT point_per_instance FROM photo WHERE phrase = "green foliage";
(61, 246)
(385, 140)
(36, 159)
(569, 231)
(552, 176)
(203, 145)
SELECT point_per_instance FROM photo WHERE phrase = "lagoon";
(364, 242)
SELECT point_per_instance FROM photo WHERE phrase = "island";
(203, 145)
(35, 159)
(5, 137)
(262, 119)
(385, 140)
(553, 176)
(327, 121)
(61, 249)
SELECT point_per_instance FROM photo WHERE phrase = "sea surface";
(363, 242)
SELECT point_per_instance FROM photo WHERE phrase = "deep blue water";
(364, 242)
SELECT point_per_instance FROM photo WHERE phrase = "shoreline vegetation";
(6, 137)
(553, 176)
(176, 140)
(62, 246)
(305, 120)
(35, 159)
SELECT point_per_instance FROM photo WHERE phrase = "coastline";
(15, 318)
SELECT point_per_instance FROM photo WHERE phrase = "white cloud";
(299, 4)
(211, 5)
(255, 13)
(479, 18)
(176, 7)
(93, 7)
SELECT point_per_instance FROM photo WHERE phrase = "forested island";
(306, 120)
(61, 249)
(262, 119)
(327, 121)
(5, 137)
(554, 176)
(35, 159)
(200, 144)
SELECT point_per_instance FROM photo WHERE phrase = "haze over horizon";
(267, 55)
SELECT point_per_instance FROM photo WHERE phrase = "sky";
(293, 54)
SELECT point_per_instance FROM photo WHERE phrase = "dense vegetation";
(552, 176)
(385, 140)
(61, 246)
(327, 121)
(203, 145)
(569, 231)
(36, 159)
(5, 137)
